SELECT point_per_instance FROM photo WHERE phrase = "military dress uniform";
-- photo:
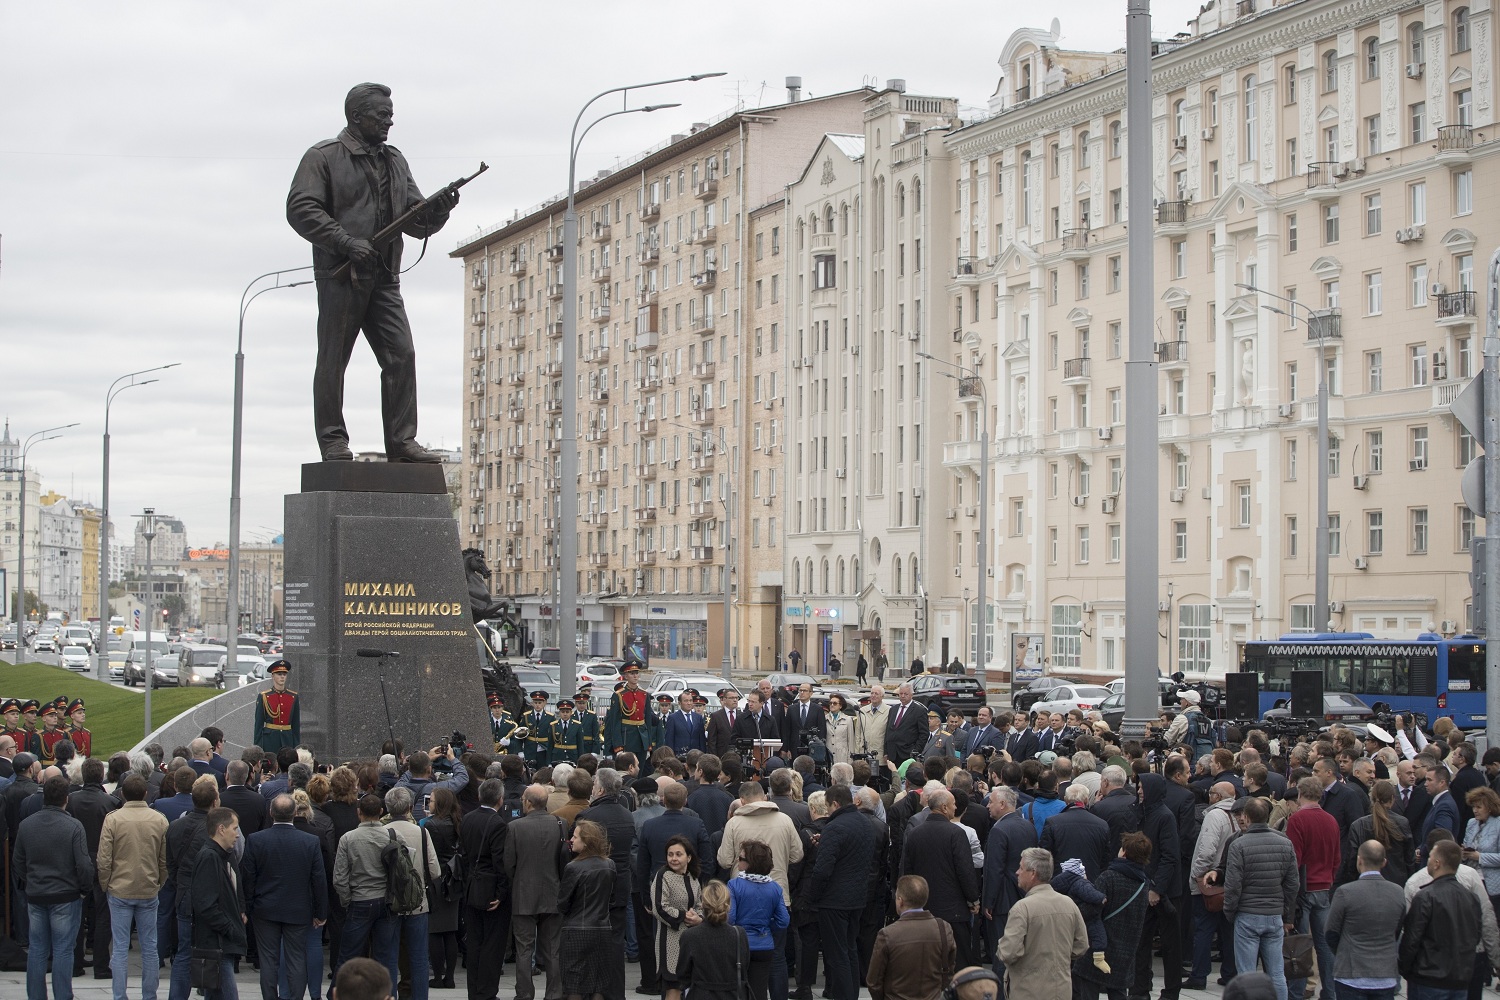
(565, 737)
(501, 726)
(538, 743)
(278, 716)
(630, 723)
(583, 711)
(30, 740)
(81, 737)
(15, 732)
(50, 738)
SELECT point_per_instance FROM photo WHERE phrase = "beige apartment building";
(1331, 154)
(662, 345)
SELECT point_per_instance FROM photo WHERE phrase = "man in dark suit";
(1412, 800)
(938, 850)
(906, 730)
(1443, 811)
(481, 844)
(285, 890)
(1465, 780)
(1011, 834)
(1020, 741)
(685, 727)
(772, 704)
(535, 853)
(721, 723)
(1339, 800)
(246, 803)
(651, 851)
(202, 751)
(90, 804)
(755, 723)
(984, 733)
(801, 720)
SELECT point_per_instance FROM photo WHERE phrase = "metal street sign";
(1468, 409)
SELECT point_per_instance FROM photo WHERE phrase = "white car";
(1070, 696)
(76, 658)
(598, 672)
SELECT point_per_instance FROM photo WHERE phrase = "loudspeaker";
(1242, 695)
(1307, 694)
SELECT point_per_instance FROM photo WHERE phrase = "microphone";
(372, 654)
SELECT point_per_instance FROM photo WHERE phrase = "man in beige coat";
(757, 818)
(132, 865)
(1043, 934)
(869, 728)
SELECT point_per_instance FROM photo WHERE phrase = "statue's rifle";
(393, 230)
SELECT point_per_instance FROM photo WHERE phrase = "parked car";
(75, 658)
(533, 678)
(941, 692)
(1066, 697)
(708, 685)
(1024, 699)
(1337, 707)
(252, 669)
(853, 697)
(1166, 689)
(598, 672)
(1112, 710)
(787, 685)
(164, 671)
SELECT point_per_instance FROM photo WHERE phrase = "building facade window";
(1067, 636)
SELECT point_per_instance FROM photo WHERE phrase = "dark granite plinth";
(373, 477)
(379, 570)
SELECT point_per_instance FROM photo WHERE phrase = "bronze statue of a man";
(345, 191)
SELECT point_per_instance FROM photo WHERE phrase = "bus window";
(1466, 668)
(1380, 676)
(1339, 675)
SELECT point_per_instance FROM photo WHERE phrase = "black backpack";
(404, 891)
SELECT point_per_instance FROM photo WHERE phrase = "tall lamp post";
(567, 652)
(115, 388)
(20, 611)
(148, 532)
(232, 609)
(970, 384)
(1321, 326)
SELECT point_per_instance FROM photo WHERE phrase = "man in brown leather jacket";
(914, 956)
(345, 190)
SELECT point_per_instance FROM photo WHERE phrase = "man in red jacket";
(1315, 837)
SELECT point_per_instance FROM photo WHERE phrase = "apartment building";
(1327, 154)
(661, 341)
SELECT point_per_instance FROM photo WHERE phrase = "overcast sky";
(146, 149)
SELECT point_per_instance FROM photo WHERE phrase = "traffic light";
(921, 620)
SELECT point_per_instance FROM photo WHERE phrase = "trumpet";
(520, 733)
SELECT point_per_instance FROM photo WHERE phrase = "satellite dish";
(1056, 29)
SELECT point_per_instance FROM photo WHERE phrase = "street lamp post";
(567, 652)
(232, 608)
(1317, 329)
(101, 662)
(148, 532)
(20, 612)
(969, 384)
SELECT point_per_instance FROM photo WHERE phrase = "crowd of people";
(1038, 856)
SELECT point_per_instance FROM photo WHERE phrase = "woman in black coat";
(592, 954)
(1127, 887)
(442, 824)
(218, 905)
(715, 955)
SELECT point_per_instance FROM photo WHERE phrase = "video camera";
(460, 745)
(1386, 717)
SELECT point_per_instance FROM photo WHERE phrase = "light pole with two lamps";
(20, 610)
(970, 384)
(567, 652)
(1322, 325)
(101, 651)
(232, 610)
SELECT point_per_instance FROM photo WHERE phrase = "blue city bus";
(1428, 674)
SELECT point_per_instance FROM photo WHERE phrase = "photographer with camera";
(1191, 727)
(420, 780)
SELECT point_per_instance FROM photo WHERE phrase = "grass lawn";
(116, 715)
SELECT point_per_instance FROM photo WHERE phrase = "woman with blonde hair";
(1482, 839)
(591, 953)
(714, 957)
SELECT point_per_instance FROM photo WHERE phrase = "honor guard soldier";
(501, 724)
(566, 735)
(630, 722)
(538, 723)
(31, 740)
(52, 734)
(278, 717)
(583, 711)
(81, 737)
(11, 710)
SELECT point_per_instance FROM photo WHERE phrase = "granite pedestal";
(373, 562)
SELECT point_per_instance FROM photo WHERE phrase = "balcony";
(518, 305)
(517, 377)
(646, 472)
(601, 232)
(648, 253)
(704, 369)
(707, 189)
(477, 317)
(555, 329)
(1075, 370)
(645, 297)
(1455, 143)
(515, 451)
(647, 514)
(704, 323)
(1075, 244)
(601, 275)
(1172, 353)
(1309, 409)
(599, 560)
(599, 353)
(706, 279)
(512, 562)
(1454, 308)
(647, 340)
(597, 434)
(513, 488)
(599, 477)
(705, 234)
(554, 290)
(649, 382)
(703, 553)
(516, 414)
(589, 517)
(516, 341)
(645, 558)
(1323, 177)
(1445, 392)
(962, 454)
(552, 369)
(1325, 324)
(701, 461)
(701, 415)
(1170, 427)
(700, 508)
(1073, 439)
(553, 405)
(518, 267)
(645, 426)
(1171, 213)
(651, 211)
(600, 312)
(554, 253)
